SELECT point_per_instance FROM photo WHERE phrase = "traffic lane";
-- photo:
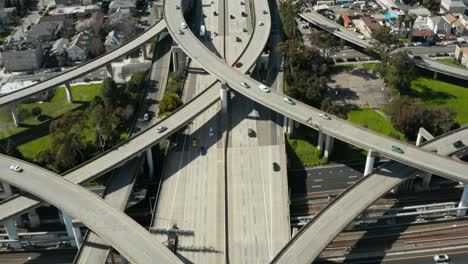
(321, 179)
(457, 256)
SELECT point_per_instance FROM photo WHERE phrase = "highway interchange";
(230, 77)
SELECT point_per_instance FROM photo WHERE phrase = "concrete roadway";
(307, 115)
(192, 189)
(119, 187)
(258, 212)
(20, 95)
(317, 234)
(120, 154)
(350, 36)
(112, 225)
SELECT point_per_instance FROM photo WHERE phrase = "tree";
(385, 36)
(138, 82)
(333, 108)
(289, 10)
(432, 5)
(96, 46)
(340, 20)
(36, 111)
(123, 24)
(169, 103)
(105, 129)
(109, 93)
(12, 150)
(325, 41)
(400, 71)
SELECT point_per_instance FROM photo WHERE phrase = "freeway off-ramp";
(318, 233)
(111, 224)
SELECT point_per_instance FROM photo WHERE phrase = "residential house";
(113, 40)
(59, 47)
(125, 6)
(439, 25)
(68, 27)
(453, 6)
(457, 27)
(347, 21)
(78, 47)
(25, 56)
(461, 54)
(426, 36)
(44, 31)
(98, 20)
(370, 23)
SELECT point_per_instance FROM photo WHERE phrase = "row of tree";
(79, 135)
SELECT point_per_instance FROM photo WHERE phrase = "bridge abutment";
(69, 92)
(12, 233)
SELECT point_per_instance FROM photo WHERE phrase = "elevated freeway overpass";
(111, 224)
(356, 38)
(318, 233)
(66, 77)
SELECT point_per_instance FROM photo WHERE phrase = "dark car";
(458, 144)
(276, 166)
(238, 64)
(417, 57)
(251, 133)
(244, 14)
(202, 151)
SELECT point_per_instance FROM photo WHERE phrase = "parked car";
(441, 258)
(146, 117)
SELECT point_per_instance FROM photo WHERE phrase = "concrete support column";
(33, 217)
(328, 146)
(15, 116)
(12, 232)
(178, 59)
(144, 53)
(463, 202)
(369, 162)
(426, 180)
(434, 76)
(290, 126)
(109, 69)
(8, 192)
(149, 160)
(419, 140)
(73, 232)
(69, 93)
(320, 140)
(224, 95)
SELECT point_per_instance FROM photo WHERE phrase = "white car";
(260, 23)
(211, 2)
(245, 85)
(289, 101)
(441, 258)
(146, 117)
(16, 168)
(211, 132)
(324, 116)
(264, 88)
(161, 129)
(361, 37)
(183, 25)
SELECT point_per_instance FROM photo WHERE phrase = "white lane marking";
(351, 182)
(354, 176)
(316, 186)
(318, 173)
(318, 180)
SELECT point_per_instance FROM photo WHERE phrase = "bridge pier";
(320, 140)
(419, 140)
(434, 76)
(224, 95)
(149, 160)
(328, 146)
(74, 233)
(426, 180)
(288, 125)
(15, 116)
(369, 162)
(69, 92)
(178, 59)
(109, 69)
(463, 202)
(33, 217)
(7, 191)
(143, 52)
(12, 233)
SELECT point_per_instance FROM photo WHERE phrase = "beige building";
(461, 54)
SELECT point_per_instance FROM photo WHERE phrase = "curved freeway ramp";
(312, 239)
(20, 95)
(120, 154)
(111, 224)
(305, 114)
(352, 37)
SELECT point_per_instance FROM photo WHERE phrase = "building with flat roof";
(23, 57)
(453, 6)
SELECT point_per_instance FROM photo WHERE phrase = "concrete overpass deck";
(318, 233)
(112, 225)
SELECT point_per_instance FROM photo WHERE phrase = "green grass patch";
(35, 146)
(438, 93)
(370, 66)
(374, 121)
(342, 67)
(451, 61)
(301, 148)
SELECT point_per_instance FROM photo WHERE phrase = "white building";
(113, 40)
(78, 48)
